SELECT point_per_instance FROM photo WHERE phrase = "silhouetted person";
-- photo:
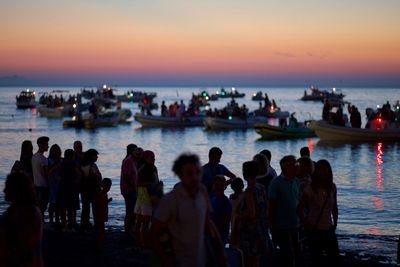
(320, 201)
(128, 185)
(100, 210)
(68, 198)
(268, 154)
(213, 168)
(184, 213)
(221, 208)
(24, 164)
(305, 152)
(41, 173)
(250, 232)
(21, 224)
(90, 185)
(78, 152)
(283, 197)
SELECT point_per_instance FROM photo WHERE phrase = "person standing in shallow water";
(41, 173)
(213, 168)
(128, 185)
(90, 185)
(185, 213)
(21, 224)
(320, 222)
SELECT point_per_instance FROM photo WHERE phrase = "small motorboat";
(167, 121)
(137, 96)
(257, 96)
(90, 121)
(218, 123)
(232, 94)
(326, 131)
(26, 99)
(57, 112)
(321, 95)
(268, 131)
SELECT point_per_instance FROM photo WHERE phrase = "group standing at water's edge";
(254, 208)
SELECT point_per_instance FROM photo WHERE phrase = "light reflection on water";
(366, 174)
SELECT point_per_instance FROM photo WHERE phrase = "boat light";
(217, 92)
(206, 97)
(233, 89)
(74, 105)
(104, 86)
(74, 118)
(377, 106)
(230, 118)
(27, 90)
(334, 89)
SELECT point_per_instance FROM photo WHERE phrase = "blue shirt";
(209, 172)
(221, 206)
(286, 194)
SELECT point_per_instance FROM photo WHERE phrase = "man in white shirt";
(40, 173)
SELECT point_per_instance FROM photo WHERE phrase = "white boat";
(26, 99)
(217, 123)
(326, 131)
(166, 121)
(89, 121)
(57, 112)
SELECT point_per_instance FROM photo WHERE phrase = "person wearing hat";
(41, 173)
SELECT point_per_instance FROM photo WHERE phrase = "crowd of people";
(382, 117)
(179, 110)
(58, 101)
(273, 218)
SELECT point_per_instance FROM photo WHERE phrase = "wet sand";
(78, 249)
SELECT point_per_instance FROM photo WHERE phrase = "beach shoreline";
(78, 249)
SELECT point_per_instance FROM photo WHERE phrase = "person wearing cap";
(213, 168)
(41, 173)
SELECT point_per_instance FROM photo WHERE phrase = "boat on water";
(257, 96)
(137, 96)
(320, 95)
(268, 131)
(330, 132)
(26, 99)
(219, 123)
(272, 113)
(232, 94)
(168, 121)
(89, 121)
(56, 112)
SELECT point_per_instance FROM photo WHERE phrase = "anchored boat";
(268, 131)
(326, 131)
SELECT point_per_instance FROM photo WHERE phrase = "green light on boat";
(230, 118)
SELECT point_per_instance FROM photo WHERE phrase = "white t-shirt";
(185, 218)
(38, 162)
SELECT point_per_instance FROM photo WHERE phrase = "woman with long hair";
(320, 221)
(54, 163)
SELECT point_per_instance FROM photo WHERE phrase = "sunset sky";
(201, 42)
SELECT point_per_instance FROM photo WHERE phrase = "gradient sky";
(201, 42)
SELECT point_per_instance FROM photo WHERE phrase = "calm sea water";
(367, 175)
